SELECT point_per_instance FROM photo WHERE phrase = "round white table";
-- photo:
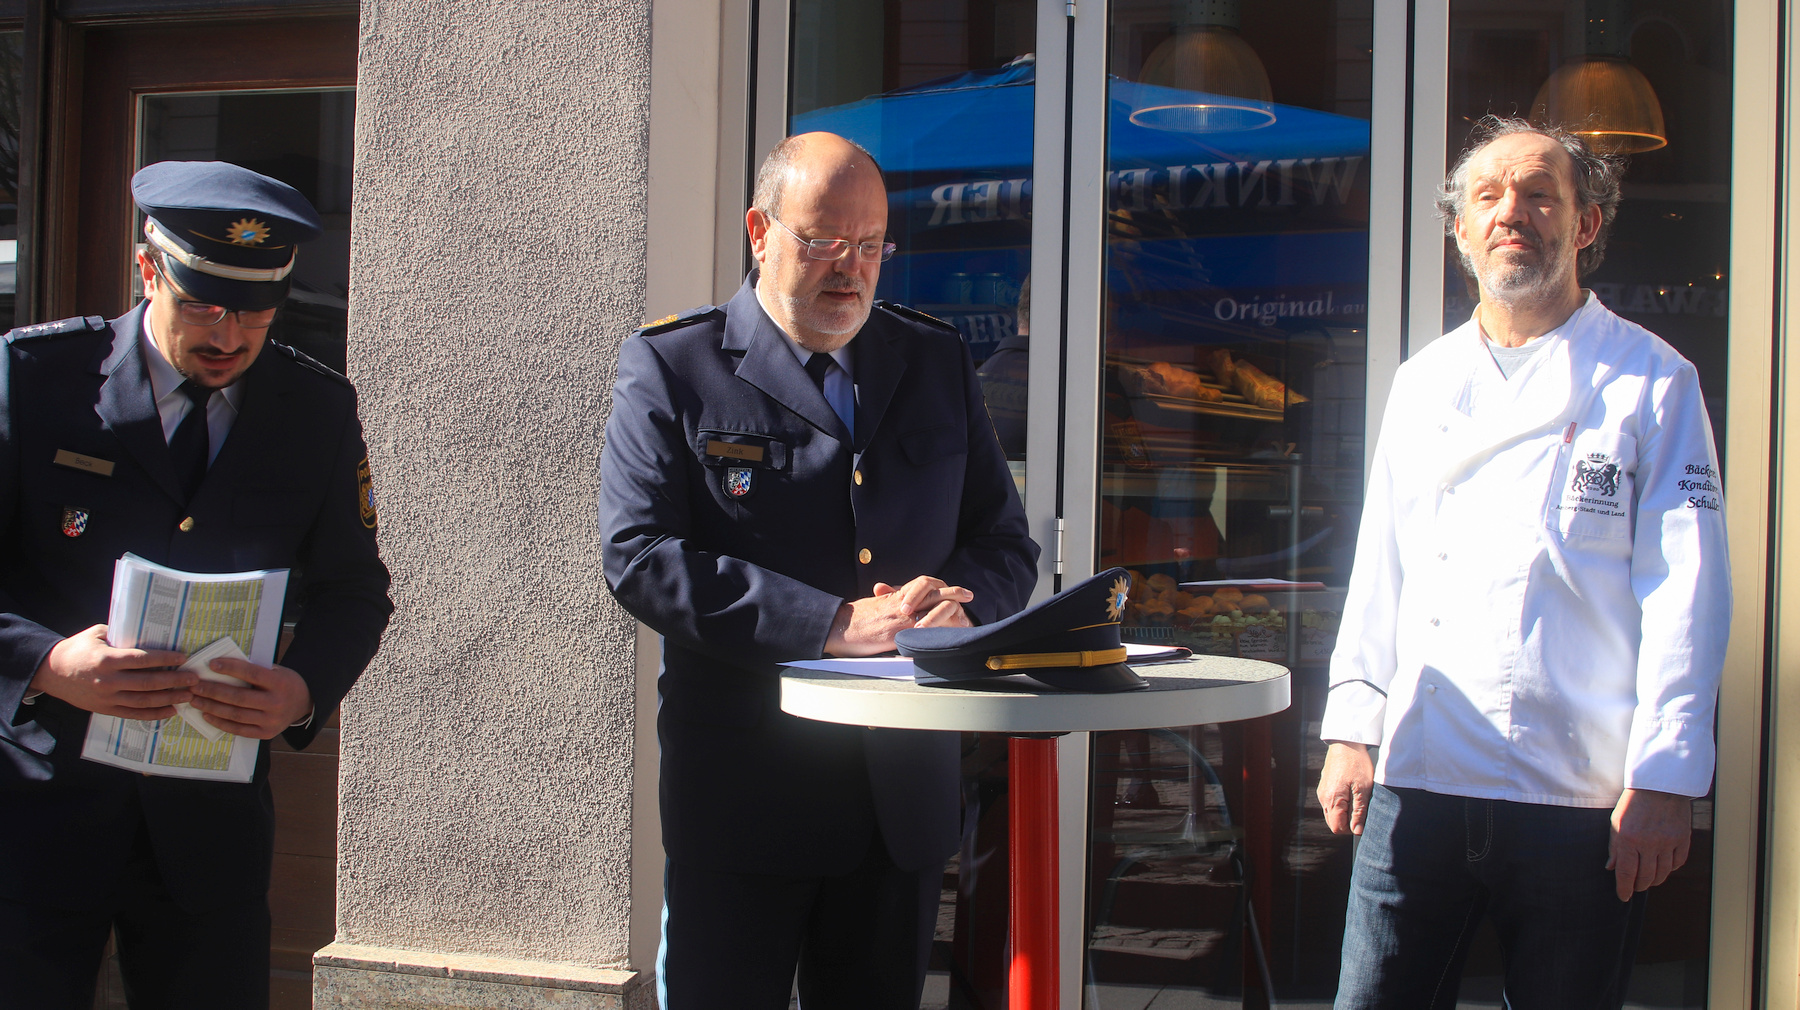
(1197, 691)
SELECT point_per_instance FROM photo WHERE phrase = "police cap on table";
(228, 235)
(1070, 641)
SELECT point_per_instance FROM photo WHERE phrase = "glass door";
(1234, 342)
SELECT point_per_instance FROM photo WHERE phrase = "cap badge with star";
(228, 235)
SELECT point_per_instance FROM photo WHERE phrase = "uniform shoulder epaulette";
(908, 312)
(59, 328)
(677, 320)
(309, 362)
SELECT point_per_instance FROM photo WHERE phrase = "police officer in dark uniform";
(179, 433)
(799, 472)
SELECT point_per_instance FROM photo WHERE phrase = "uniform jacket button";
(856, 477)
(864, 556)
(187, 525)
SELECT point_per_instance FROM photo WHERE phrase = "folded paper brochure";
(205, 616)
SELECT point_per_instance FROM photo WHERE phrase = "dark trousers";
(860, 941)
(1429, 866)
(170, 958)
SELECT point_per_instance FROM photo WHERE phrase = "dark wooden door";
(100, 76)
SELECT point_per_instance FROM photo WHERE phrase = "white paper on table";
(882, 667)
(1286, 583)
(1138, 654)
(224, 648)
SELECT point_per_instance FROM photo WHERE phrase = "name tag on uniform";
(714, 447)
(86, 464)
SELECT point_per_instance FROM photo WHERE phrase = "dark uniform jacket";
(283, 492)
(737, 516)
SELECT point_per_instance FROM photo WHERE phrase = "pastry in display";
(1162, 378)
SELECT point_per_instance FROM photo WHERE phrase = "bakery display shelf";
(1184, 409)
(1233, 406)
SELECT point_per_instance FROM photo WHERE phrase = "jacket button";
(187, 525)
(856, 477)
(1430, 688)
(864, 556)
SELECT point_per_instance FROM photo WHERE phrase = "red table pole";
(1033, 977)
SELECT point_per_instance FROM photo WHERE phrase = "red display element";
(1033, 977)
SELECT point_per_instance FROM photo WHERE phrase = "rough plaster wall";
(497, 261)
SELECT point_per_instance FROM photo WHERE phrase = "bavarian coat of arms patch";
(74, 522)
(739, 481)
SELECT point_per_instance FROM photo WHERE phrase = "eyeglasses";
(838, 248)
(203, 314)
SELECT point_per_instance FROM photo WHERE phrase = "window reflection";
(1231, 479)
(942, 95)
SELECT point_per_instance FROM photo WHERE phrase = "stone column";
(498, 259)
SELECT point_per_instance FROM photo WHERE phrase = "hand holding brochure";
(200, 663)
(205, 616)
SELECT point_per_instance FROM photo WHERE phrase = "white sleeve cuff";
(1354, 713)
(1670, 756)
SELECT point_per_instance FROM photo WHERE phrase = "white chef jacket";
(1540, 600)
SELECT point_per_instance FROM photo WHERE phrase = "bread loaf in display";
(1164, 379)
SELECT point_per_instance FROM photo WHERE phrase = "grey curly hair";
(1597, 179)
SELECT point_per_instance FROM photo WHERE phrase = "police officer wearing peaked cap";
(178, 432)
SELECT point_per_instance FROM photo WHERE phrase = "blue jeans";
(1430, 865)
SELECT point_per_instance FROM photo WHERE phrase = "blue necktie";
(817, 366)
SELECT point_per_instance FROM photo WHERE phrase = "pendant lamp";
(1599, 95)
(1208, 56)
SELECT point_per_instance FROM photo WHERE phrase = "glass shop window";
(1649, 80)
(1231, 481)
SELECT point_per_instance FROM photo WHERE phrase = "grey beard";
(797, 310)
(1520, 284)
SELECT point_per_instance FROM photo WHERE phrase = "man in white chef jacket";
(1537, 615)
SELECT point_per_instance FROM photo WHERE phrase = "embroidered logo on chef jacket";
(1593, 493)
(739, 481)
(1597, 474)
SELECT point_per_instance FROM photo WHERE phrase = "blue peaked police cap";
(1069, 641)
(228, 235)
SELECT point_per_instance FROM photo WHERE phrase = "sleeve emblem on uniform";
(74, 522)
(365, 493)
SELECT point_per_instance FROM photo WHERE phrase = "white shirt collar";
(841, 356)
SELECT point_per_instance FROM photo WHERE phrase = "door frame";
(97, 74)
